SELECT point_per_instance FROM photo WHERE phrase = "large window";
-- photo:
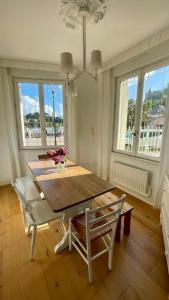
(141, 109)
(40, 112)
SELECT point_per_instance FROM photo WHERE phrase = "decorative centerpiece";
(59, 156)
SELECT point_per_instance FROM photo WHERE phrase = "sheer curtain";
(7, 97)
(72, 99)
(164, 162)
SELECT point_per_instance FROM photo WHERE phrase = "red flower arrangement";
(58, 155)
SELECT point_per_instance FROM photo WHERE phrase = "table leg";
(63, 243)
(67, 214)
(127, 221)
(118, 230)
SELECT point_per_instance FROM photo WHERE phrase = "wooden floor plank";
(10, 275)
(145, 287)
(139, 266)
(129, 294)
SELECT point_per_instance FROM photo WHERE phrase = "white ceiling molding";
(158, 55)
(30, 65)
(16, 65)
(138, 49)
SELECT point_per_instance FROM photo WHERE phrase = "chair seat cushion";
(43, 213)
(79, 222)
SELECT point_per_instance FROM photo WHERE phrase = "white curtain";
(103, 136)
(8, 98)
(71, 97)
(164, 162)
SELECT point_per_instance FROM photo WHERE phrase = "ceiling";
(34, 30)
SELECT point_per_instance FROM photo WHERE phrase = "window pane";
(126, 118)
(154, 107)
(30, 113)
(53, 107)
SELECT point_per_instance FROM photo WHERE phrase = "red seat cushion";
(79, 222)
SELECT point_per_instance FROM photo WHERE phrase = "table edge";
(87, 199)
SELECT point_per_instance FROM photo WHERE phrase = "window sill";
(140, 158)
(40, 148)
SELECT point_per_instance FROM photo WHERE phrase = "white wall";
(151, 166)
(5, 171)
(87, 118)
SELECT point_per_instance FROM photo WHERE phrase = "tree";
(147, 107)
(131, 113)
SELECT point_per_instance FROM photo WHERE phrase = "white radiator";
(130, 177)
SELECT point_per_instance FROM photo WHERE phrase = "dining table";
(68, 190)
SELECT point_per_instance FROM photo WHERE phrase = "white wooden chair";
(37, 212)
(30, 190)
(95, 223)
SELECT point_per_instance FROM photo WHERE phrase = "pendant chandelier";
(77, 13)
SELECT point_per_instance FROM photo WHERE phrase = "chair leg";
(33, 241)
(110, 256)
(90, 272)
(70, 234)
(27, 231)
(110, 259)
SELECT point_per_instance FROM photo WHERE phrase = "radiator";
(130, 177)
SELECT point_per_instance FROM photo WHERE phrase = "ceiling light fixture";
(74, 11)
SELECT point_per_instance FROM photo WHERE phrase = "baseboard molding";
(5, 182)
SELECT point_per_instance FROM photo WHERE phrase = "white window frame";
(140, 73)
(40, 83)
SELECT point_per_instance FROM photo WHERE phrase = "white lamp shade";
(66, 62)
(96, 59)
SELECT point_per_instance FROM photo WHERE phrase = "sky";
(30, 93)
(156, 80)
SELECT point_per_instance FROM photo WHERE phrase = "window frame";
(40, 83)
(117, 107)
(140, 72)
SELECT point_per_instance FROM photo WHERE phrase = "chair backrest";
(29, 189)
(104, 217)
(19, 188)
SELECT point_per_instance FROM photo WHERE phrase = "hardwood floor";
(139, 270)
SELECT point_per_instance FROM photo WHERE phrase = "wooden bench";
(125, 213)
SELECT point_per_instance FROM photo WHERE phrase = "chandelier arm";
(77, 76)
(84, 42)
(91, 75)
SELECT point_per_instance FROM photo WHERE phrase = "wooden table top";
(68, 187)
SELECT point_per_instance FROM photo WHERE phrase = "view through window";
(41, 114)
(127, 108)
(154, 108)
(141, 113)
